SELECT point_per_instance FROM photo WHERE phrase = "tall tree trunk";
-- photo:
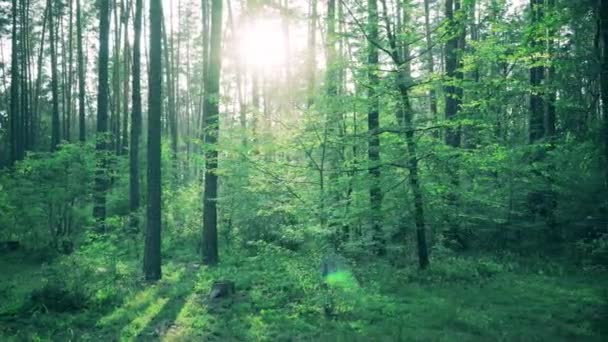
(211, 131)
(205, 41)
(551, 75)
(405, 116)
(37, 114)
(101, 178)
(332, 86)
(312, 51)
(603, 10)
(430, 58)
(454, 76)
(285, 20)
(172, 115)
(116, 95)
(82, 135)
(152, 254)
(126, 71)
(70, 74)
(537, 107)
(15, 115)
(135, 120)
(25, 108)
(373, 124)
(55, 131)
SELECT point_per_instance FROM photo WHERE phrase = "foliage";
(46, 198)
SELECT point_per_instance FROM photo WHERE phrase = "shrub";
(58, 297)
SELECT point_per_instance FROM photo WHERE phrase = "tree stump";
(221, 289)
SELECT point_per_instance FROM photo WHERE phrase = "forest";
(304, 170)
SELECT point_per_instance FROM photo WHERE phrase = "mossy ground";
(282, 297)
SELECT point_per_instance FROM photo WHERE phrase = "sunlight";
(262, 45)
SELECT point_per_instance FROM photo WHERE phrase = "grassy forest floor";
(279, 297)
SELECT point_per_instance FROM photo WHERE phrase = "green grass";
(281, 296)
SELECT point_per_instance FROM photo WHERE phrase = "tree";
(101, 181)
(134, 192)
(537, 107)
(453, 49)
(312, 50)
(116, 97)
(405, 116)
(15, 135)
(430, 58)
(211, 131)
(56, 134)
(152, 257)
(126, 70)
(373, 124)
(82, 134)
(602, 49)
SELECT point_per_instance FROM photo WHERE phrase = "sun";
(262, 45)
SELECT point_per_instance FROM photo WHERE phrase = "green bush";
(58, 297)
(46, 198)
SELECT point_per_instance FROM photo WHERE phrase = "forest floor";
(279, 297)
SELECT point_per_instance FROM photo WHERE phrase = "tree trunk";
(116, 95)
(312, 51)
(135, 120)
(15, 115)
(604, 80)
(152, 253)
(430, 59)
(55, 131)
(405, 116)
(452, 61)
(126, 71)
(211, 131)
(551, 74)
(537, 107)
(25, 102)
(373, 124)
(37, 114)
(82, 135)
(172, 115)
(101, 179)
(70, 75)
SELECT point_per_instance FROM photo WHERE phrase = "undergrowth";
(281, 295)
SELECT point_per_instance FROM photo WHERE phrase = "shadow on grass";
(175, 300)
(151, 310)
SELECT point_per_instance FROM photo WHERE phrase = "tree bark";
(134, 192)
(126, 72)
(82, 135)
(116, 95)
(373, 125)
(312, 51)
(55, 131)
(70, 75)
(101, 179)
(537, 107)
(211, 131)
(152, 253)
(37, 114)
(14, 106)
(430, 58)
(452, 61)
(604, 80)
